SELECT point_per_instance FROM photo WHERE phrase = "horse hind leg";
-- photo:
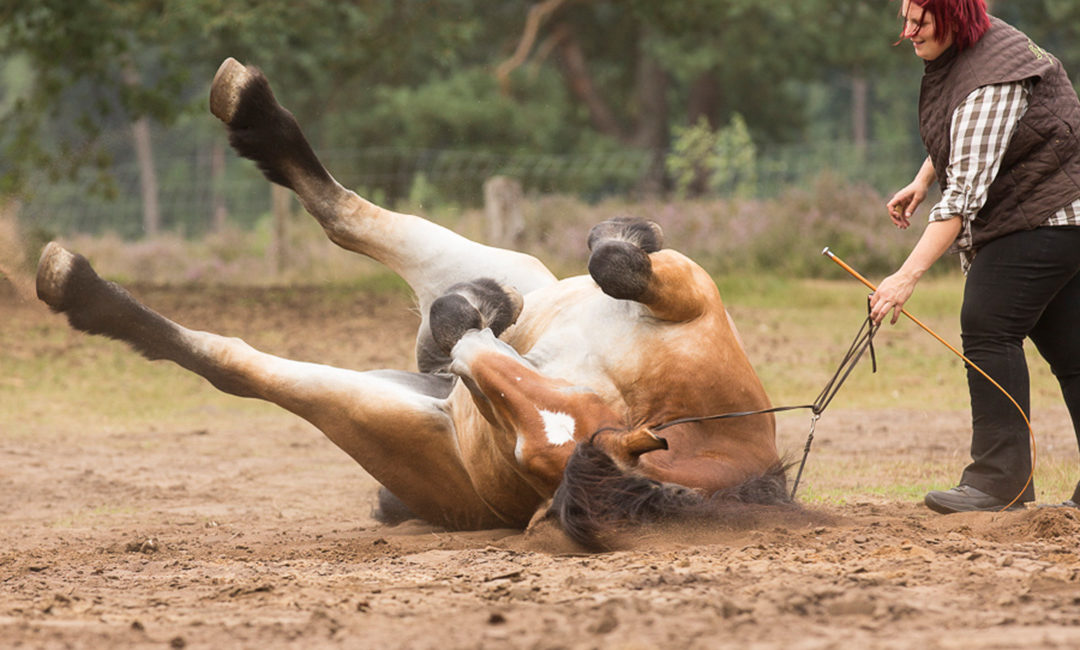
(393, 423)
(429, 257)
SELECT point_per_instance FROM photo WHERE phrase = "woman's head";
(934, 25)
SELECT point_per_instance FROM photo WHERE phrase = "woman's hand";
(891, 295)
(902, 205)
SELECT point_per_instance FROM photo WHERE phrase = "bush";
(782, 236)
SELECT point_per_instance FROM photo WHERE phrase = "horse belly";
(603, 351)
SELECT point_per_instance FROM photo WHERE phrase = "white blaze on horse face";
(559, 427)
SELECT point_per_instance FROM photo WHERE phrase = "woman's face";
(920, 29)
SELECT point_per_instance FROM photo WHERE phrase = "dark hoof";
(622, 269)
(646, 235)
(473, 305)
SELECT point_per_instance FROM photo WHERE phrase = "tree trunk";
(650, 93)
(144, 156)
(503, 212)
(148, 183)
(651, 127)
(13, 250)
(576, 73)
(859, 113)
(704, 100)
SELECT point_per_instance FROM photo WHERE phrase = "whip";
(826, 252)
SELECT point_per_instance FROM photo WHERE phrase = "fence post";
(502, 211)
(280, 203)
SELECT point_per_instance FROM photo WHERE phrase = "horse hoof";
(621, 269)
(473, 305)
(643, 233)
(54, 268)
(227, 87)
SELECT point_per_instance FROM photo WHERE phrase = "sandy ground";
(251, 530)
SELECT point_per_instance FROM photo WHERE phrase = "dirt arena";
(232, 525)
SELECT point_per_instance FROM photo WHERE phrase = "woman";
(999, 119)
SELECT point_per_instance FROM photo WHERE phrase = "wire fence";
(191, 189)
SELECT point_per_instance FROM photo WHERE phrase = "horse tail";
(598, 498)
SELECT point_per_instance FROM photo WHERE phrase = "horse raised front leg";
(429, 257)
(627, 262)
(395, 424)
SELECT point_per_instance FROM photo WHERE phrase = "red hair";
(966, 19)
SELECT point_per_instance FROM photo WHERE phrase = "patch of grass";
(90, 515)
(797, 332)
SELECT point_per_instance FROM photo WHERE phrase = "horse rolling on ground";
(534, 395)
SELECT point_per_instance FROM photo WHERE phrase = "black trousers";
(1023, 285)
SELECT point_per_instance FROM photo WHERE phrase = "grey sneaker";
(964, 498)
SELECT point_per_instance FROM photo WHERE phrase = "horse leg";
(395, 424)
(627, 261)
(429, 257)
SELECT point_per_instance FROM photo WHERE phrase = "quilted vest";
(1040, 171)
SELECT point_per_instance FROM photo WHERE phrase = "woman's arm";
(981, 128)
(895, 290)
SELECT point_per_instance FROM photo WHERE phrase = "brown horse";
(529, 387)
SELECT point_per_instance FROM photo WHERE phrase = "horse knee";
(473, 305)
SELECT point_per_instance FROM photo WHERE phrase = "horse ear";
(624, 447)
(641, 441)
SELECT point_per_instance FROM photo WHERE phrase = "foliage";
(409, 73)
(724, 161)
(734, 161)
(691, 150)
(420, 76)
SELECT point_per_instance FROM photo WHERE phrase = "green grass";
(797, 332)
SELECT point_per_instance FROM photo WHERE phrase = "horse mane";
(597, 498)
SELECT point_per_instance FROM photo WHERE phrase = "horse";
(533, 396)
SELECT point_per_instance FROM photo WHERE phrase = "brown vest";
(1040, 171)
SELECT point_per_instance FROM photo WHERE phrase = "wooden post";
(280, 204)
(502, 211)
